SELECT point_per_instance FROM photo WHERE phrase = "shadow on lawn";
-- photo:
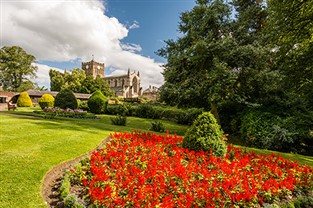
(103, 123)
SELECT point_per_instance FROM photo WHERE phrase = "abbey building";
(125, 86)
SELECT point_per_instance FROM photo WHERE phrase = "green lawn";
(30, 147)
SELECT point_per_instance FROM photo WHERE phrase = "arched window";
(135, 85)
(115, 83)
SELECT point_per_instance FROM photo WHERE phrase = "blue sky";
(157, 19)
(121, 33)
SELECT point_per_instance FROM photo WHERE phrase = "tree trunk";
(215, 112)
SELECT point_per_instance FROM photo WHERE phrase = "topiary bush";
(205, 134)
(97, 102)
(119, 120)
(157, 126)
(46, 101)
(24, 100)
(65, 99)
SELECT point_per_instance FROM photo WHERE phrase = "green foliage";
(119, 109)
(16, 68)
(46, 100)
(188, 116)
(65, 99)
(71, 201)
(73, 80)
(290, 33)
(205, 134)
(56, 80)
(24, 100)
(119, 120)
(83, 105)
(147, 111)
(97, 102)
(264, 130)
(218, 57)
(157, 126)
(65, 186)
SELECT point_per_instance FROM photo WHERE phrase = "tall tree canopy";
(290, 27)
(78, 82)
(16, 67)
(218, 57)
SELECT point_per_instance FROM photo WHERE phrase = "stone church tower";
(93, 68)
(124, 86)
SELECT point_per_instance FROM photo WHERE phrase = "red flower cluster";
(147, 170)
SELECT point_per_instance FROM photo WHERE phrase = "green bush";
(119, 120)
(188, 116)
(120, 109)
(205, 134)
(24, 100)
(147, 111)
(83, 105)
(66, 99)
(157, 126)
(97, 102)
(46, 101)
(265, 130)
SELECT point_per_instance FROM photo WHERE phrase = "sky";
(120, 33)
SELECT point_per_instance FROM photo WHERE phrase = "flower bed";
(67, 113)
(147, 170)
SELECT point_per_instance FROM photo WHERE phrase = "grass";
(30, 147)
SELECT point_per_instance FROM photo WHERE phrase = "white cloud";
(43, 78)
(135, 25)
(67, 30)
(131, 47)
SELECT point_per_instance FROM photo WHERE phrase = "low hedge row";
(181, 116)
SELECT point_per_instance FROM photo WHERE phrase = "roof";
(38, 93)
(151, 89)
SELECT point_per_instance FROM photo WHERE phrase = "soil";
(52, 180)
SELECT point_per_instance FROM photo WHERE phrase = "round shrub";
(24, 100)
(65, 99)
(205, 134)
(46, 100)
(97, 102)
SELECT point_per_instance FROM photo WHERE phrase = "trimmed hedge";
(46, 101)
(181, 116)
(97, 102)
(66, 99)
(205, 134)
(24, 100)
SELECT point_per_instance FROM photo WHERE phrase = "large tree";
(56, 80)
(214, 60)
(290, 27)
(16, 67)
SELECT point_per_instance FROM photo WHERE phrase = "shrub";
(24, 100)
(205, 134)
(97, 102)
(46, 101)
(157, 126)
(83, 105)
(120, 109)
(188, 116)
(119, 120)
(65, 99)
(264, 130)
(147, 111)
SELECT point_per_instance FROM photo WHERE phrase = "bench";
(11, 106)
